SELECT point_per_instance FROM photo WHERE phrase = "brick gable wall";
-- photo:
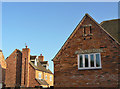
(13, 69)
(66, 73)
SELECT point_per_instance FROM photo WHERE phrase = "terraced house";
(90, 56)
(25, 70)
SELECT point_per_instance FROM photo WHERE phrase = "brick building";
(25, 70)
(2, 69)
(89, 57)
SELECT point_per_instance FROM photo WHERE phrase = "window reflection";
(86, 60)
(81, 61)
(97, 60)
(92, 60)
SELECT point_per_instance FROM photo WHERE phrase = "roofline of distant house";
(0, 50)
(77, 27)
(39, 70)
(108, 21)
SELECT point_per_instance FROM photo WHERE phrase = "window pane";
(86, 60)
(81, 61)
(97, 60)
(92, 60)
(39, 75)
(50, 78)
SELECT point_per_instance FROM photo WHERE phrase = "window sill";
(96, 68)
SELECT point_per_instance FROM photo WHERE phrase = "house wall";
(37, 74)
(13, 77)
(0, 76)
(66, 73)
(43, 77)
(3, 68)
(32, 76)
(48, 78)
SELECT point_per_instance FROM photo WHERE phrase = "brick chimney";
(41, 58)
(25, 67)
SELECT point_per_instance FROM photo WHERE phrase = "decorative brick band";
(89, 51)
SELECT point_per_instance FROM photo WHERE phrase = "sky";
(45, 26)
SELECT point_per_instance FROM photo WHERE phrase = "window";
(40, 75)
(46, 77)
(89, 61)
(90, 30)
(84, 30)
(50, 78)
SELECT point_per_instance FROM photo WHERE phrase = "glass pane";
(81, 61)
(39, 75)
(86, 60)
(92, 60)
(97, 60)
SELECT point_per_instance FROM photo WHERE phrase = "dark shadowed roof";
(42, 82)
(111, 26)
(40, 67)
(0, 50)
(32, 57)
(43, 62)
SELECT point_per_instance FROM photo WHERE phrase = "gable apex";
(77, 27)
(73, 33)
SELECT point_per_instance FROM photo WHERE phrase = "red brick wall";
(25, 67)
(13, 67)
(2, 68)
(0, 74)
(66, 73)
(18, 68)
(32, 80)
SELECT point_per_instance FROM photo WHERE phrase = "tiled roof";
(111, 26)
(40, 67)
(42, 82)
(43, 62)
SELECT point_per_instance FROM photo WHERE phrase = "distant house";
(24, 70)
(90, 56)
(2, 69)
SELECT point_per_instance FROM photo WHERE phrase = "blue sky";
(44, 27)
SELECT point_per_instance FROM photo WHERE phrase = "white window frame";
(50, 78)
(40, 74)
(46, 77)
(89, 67)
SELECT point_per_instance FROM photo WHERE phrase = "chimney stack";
(41, 58)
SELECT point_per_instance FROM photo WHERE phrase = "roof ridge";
(109, 21)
